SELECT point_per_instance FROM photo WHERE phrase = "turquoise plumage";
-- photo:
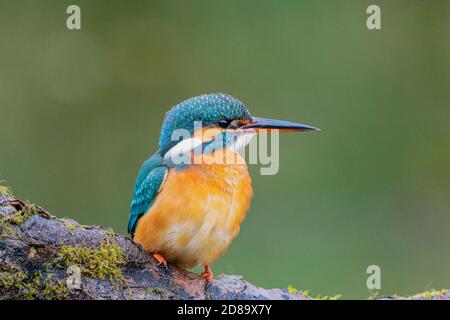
(148, 182)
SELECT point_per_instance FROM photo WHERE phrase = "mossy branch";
(40, 255)
(38, 252)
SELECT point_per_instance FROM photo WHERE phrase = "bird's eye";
(224, 123)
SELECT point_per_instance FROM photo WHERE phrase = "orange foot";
(160, 259)
(207, 274)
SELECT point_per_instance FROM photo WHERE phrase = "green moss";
(11, 279)
(374, 294)
(5, 230)
(292, 289)
(29, 291)
(53, 289)
(306, 294)
(35, 286)
(430, 294)
(70, 227)
(40, 287)
(155, 290)
(4, 190)
(101, 262)
(23, 215)
(17, 219)
(320, 297)
(158, 292)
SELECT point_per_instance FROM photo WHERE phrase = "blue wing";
(148, 183)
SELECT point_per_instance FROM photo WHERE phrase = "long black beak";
(281, 125)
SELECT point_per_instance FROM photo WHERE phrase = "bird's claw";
(160, 259)
(207, 274)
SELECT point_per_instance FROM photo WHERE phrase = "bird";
(187, 213)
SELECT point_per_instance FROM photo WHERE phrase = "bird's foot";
(207, 274)
(160, 259)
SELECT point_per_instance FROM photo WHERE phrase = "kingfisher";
(191, 196)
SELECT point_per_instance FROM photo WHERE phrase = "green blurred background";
(81, 110)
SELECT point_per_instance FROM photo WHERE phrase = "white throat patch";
(241, 141)
(183, 147)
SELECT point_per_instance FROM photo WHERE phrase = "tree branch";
(44, 257)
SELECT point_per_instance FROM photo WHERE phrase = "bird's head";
(217, 114)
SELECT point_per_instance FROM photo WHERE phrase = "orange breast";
(197, 213)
